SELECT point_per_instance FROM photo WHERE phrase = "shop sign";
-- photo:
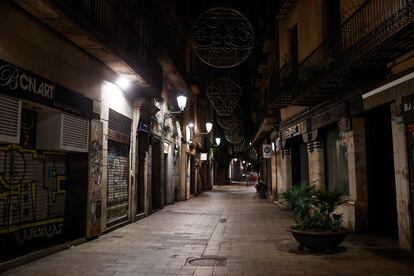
(408, 108)
(144, 127)
(267, 151)
(203, 156)
(17, 82)
(291, 131)
(329, 117)
(295, 130)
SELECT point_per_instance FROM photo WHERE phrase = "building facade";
(341, 87)
(80, 154)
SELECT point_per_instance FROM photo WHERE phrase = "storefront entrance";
(380, 173)
(117, 202)
(299, 159)
(43, 185)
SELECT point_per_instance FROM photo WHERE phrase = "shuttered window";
(75, 133)
(9, 119)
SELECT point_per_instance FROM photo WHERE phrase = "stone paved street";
(230, 222)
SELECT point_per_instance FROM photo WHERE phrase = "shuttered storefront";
(119, 129)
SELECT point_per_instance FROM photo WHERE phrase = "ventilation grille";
(119, 123)
(9, 120)
(75, 133)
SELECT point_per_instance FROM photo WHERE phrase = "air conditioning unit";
(62, 131)
(10, 118)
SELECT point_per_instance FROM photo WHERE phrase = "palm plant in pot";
(318, 227)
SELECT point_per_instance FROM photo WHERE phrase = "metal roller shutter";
(117, 204)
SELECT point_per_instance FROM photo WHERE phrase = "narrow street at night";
(230, 222)
(208, 137)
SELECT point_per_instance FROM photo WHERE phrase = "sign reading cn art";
(222, 37)
(13, 78)
(20, 83)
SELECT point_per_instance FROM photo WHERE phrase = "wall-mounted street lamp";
(218, 140)
(182, 102)
(209, 126)
(123, 83)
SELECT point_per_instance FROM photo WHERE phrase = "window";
(336, 162)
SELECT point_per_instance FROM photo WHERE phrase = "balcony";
(105, 30)
(173, 37)
(377, 33)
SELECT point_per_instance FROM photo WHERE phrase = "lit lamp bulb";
(123, 83)
(218, 140)
(182, 102)
(209, 126)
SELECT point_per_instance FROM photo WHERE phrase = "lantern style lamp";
(209, 126)
(182, 102)
(218, 140)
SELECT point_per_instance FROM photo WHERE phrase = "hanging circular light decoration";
(222, 37)
(223, 94)
(241, 147)
(234, 136)
(233, 121)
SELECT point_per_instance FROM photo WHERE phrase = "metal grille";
(222, 37)
(75, 133)
(9, 119)
(117, 202)
(234, 136)
(233, 121)
(207, 261)
(32, 195)
(224, 94)
(119, 123)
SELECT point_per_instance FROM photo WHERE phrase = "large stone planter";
(319, 241)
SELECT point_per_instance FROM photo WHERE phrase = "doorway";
(299, 159)
(382, 210)
(117, 183)
(155, 174)
(142, 142)
(167, 190)
(192, 176)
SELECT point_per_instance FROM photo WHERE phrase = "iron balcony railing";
(372, 23)
(114, 24)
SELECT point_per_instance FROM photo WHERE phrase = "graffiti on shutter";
(117, 202)
(32, 193)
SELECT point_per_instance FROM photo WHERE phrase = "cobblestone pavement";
(230, 222)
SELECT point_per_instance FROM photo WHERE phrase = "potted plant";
(318, 227)
(261, 189)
